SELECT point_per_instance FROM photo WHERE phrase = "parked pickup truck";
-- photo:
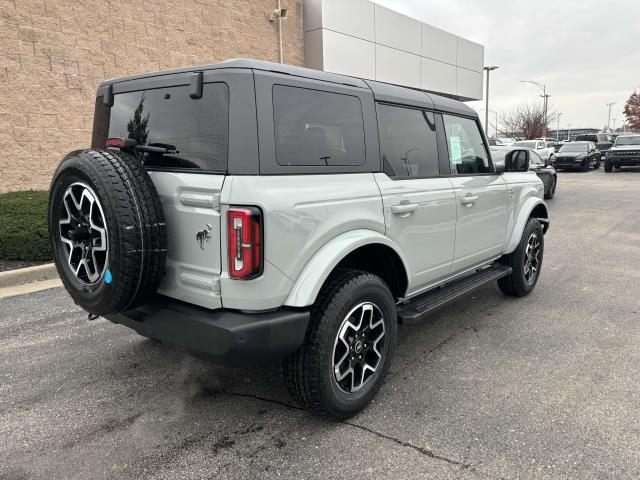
(545, 150)
(253, 212)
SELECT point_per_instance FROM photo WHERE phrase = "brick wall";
(54, 53)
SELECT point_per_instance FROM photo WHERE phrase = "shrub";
(23, 226)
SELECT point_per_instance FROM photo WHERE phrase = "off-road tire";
(608, 167)
(136, 229)
(309, 371)
(552, 189)
(515, 284)
(597, 165)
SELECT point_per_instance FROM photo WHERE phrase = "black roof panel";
(382, 91)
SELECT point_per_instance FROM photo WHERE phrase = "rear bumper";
(224, 336)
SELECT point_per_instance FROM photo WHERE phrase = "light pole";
(569, 131)
(558, 128)
(545, 96)
(614, 125)
(486, 114)
(495, 114)
(609, 118)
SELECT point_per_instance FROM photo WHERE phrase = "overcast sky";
(587, 52)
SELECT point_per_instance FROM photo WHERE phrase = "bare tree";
(526, 120)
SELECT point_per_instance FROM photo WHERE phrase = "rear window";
(587, 138)
(172, 130)
(316, 128)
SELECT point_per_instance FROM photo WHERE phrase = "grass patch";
(23, 226)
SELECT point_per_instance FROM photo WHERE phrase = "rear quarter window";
(194, 133)
(317, 128)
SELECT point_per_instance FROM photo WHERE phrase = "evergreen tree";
(138, 125)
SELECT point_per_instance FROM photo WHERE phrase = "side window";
(315, 128)
(466, 149)
(408, 141)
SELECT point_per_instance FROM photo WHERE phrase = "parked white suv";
(255, 212)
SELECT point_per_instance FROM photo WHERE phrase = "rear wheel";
(348, 346)
(525, 261)
(551, 192)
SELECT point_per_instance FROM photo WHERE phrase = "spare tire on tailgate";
(107, 230)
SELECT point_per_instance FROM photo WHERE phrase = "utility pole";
(486, 114)
(545, 96)
(614, 124)
(609, 118)
(569, 131)
(558, 128)
(546, 120)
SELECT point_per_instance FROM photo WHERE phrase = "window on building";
(467, 152)
(186, 133)
(315, 128)
(408, 141)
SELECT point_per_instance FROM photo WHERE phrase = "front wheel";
(585, 165)
(348, 347)
(597, 165)
(608, 167)
(551, 192)
(525, 262)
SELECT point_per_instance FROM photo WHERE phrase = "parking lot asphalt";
(541, 387)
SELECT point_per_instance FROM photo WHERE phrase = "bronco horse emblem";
(203, 235)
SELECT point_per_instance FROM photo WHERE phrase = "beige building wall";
(54, 53)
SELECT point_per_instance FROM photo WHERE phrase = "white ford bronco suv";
(253, 212)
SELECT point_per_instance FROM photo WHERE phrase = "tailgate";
(191, 203)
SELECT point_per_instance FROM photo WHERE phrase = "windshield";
(527, 144)
(630, 140)
(574, 147)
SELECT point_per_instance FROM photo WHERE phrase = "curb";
(12, 278)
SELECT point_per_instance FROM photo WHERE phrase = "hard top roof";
(381, 91)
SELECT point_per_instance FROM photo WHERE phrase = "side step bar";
(419, 307)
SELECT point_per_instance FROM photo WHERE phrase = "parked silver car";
(254, 212)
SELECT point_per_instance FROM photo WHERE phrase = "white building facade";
(363, 39)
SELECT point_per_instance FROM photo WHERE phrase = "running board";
(419, 307)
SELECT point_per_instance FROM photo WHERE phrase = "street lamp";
(558, 128)
(486, 115)
(545, 96)
(609, 118)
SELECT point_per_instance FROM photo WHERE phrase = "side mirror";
(516, 161)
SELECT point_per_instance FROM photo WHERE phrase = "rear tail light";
(114, 142)
(244, 226)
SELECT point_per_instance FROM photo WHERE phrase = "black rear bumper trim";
(224, 336)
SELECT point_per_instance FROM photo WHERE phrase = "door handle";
(469, 199)
(404, 208)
